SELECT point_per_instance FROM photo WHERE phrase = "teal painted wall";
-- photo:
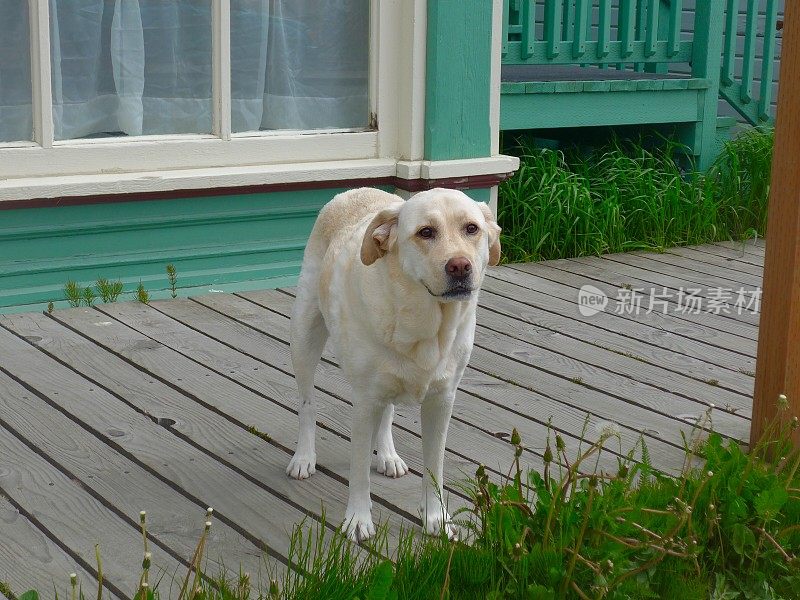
(458, 75)
(220, 243)
(211, 241)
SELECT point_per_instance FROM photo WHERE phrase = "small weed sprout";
(172, 277)
(108, 291)
(50, 307)
(88, 296)
(73, 292)
(142, 295)
(255, 431)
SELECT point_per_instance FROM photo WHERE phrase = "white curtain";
(16, 117)
(142, 67)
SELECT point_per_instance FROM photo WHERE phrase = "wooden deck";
(126, 407)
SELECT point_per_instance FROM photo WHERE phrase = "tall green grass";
(727, 527)
(628, 196)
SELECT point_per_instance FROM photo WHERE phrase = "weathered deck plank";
(482, 398)
(576, 274)
(676, 338)
(255, 511)
(755, 248)
(693, 267)
(727, 264)
(111, 477)
(229, 443)
(162, 407)
(736, 255)
(29, 560)
(628, 365)
(565, 394)
(676, 277)
(61, 508)
(674, 284)
(240, 372)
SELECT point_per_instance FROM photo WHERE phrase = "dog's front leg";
(436, 413)
(389, 462)
(358, 517)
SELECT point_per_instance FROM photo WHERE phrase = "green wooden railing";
(740, 92)
(646, 35)
(648, 32)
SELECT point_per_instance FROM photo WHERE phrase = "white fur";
(371, 283)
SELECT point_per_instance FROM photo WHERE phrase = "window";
(83, 80)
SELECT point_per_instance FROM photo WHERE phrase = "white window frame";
(40, 168)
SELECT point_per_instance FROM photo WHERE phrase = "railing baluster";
(568, 20)
(767, 60)
(604, 29)
(676, 11)
(641, 25)
(651, 26)
(746, 94)
(728, 57)
(627, 22)
(506, 17)
(527, 20)
(581, 20)
(553, 11)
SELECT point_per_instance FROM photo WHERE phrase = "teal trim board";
(479, 194)
(212, 241)
(553, 110)
(457, 84)
(217, 243)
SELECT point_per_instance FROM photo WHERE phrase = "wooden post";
(778, 365)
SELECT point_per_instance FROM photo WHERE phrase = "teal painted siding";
(458, 79)
(211, 241)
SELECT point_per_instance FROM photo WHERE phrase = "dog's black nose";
(458, 267)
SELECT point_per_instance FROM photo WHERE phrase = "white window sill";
(225, 178)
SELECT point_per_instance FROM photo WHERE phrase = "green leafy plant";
(728, 529)
(73, 292)
(172, 277)
(88, 296)
(627, 195)
(142, 294)
(109, 291)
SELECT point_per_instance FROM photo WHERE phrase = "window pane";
(16, 116)
(130, 67)
(299, 64)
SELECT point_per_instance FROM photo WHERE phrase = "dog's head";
(442, 239)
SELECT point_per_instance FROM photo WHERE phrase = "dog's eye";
(426, 233)
(471, 229)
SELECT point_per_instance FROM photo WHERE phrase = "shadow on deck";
(108, 411)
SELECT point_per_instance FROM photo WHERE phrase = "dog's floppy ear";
(381, 234)
(494, 234)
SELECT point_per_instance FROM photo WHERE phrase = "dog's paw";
(391, 465)
(433, 523)
(358, 525)
(302, 466)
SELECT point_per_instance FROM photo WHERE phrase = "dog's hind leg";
(389, 462)
(308, 337)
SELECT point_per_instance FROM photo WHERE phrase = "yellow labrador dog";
(395, 284)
